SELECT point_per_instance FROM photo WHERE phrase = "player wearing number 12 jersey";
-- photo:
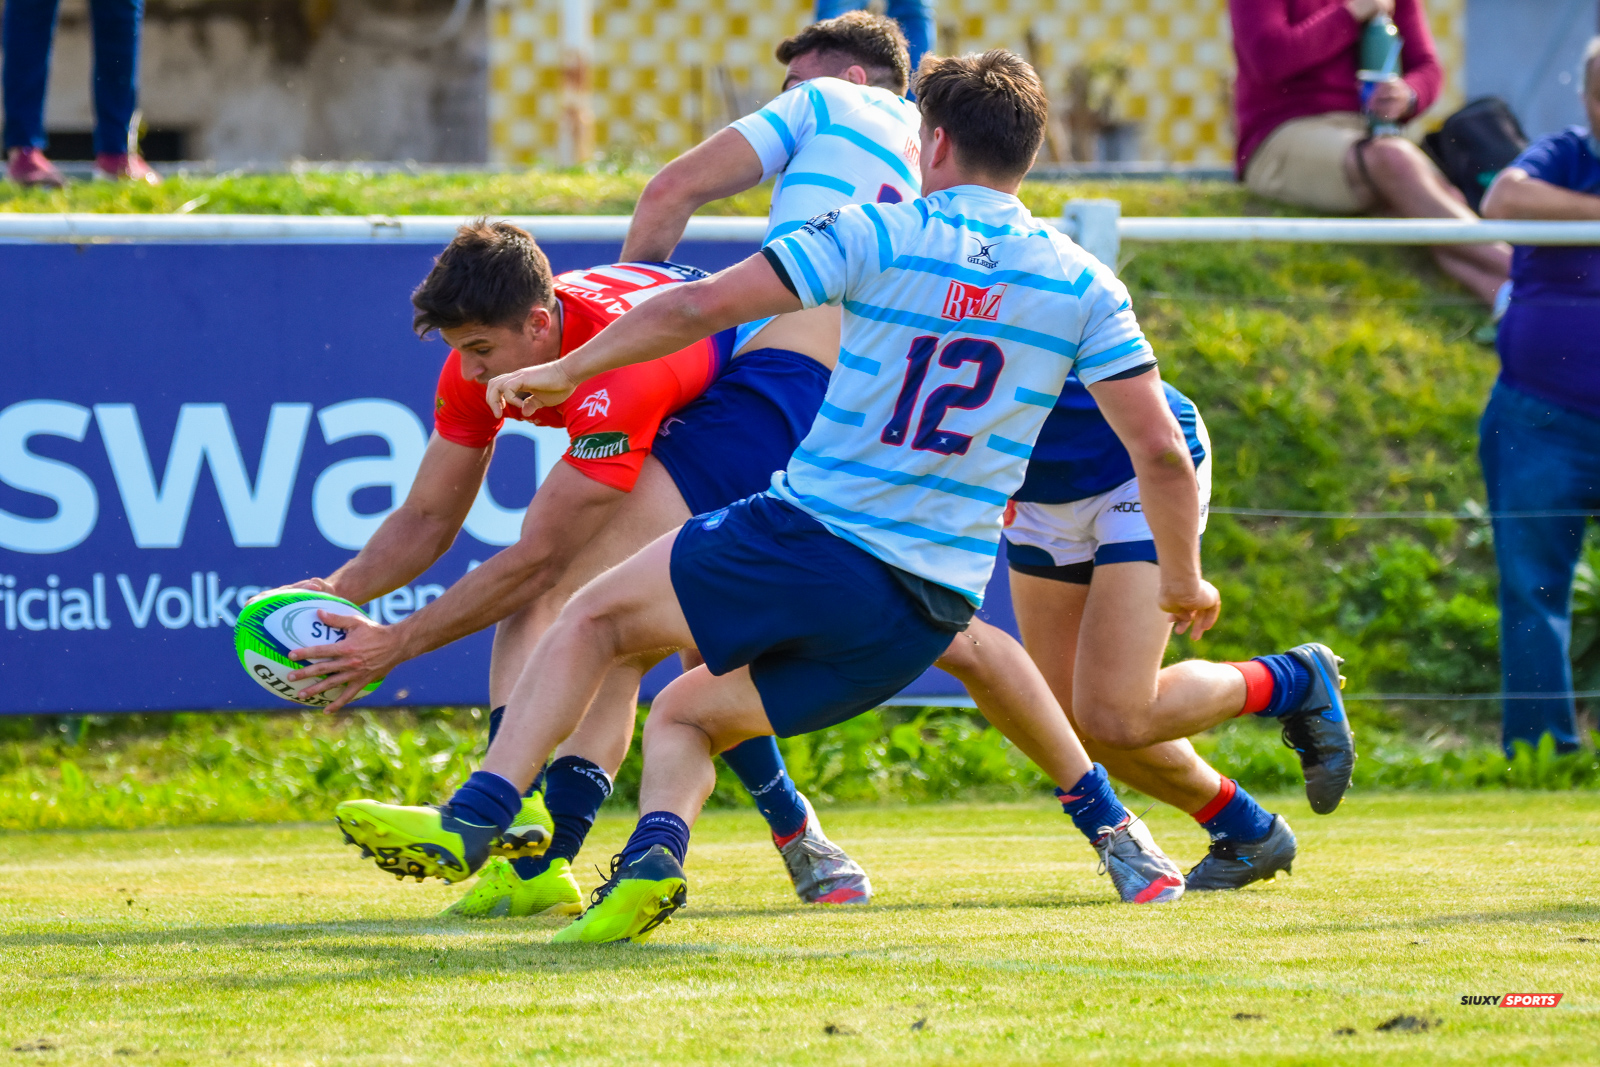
(819, 599)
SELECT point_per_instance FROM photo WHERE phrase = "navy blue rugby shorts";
(825, 628)
(725, 444)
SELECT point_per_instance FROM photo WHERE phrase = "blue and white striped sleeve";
(827, 253)
(778, 130)
(1112, 340)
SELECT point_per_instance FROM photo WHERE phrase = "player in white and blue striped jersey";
(840, 133)
(817, 600)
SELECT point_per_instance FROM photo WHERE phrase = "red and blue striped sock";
(1233, 814)
(1273, 684)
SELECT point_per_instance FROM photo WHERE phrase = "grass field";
(990, 941)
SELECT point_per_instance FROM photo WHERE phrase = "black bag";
(1475, 144)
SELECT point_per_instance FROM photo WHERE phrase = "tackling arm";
(660, 326)
(567, 512)
(721, 165)
(1137, 410)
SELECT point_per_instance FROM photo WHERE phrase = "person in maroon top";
(1304, 140)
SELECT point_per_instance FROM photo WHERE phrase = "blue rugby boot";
(424, 842)
(1319, 730)
(1235, 864)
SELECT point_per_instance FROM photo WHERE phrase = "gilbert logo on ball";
(272, 627)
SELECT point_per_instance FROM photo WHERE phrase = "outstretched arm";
(1137, 410)
(721, 165)
(677, 318)
(567, 512)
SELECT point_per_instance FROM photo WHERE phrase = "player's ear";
(855, 74)
(538, 321)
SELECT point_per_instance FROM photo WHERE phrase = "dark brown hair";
(991, 106)
(871, 40)
(490, 274)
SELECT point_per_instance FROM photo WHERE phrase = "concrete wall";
(275, 80)
(1529, 53)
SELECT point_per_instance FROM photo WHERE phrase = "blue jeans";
(26, 34)
(914, 16)
(1538, 456)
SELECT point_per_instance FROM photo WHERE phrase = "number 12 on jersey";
(929, 437)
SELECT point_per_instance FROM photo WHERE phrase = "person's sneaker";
(124, 166)
(1235, 864)
(1319, 731)
(1139, 869)
(633, 902)
(819, 869)
(500, 892)
(28, 166)
(424, 842)
(529, 833)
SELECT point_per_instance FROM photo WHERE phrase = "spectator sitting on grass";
(1303, 138)
(1541, 432)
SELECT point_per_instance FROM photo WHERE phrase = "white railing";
(331, 229)
(1096, 224)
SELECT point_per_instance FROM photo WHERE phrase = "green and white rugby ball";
(272, 627)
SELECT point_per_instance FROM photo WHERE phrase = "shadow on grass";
(508, 946)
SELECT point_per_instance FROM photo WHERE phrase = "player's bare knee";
(1113, 726)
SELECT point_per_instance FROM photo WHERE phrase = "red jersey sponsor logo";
(963, 301)
(913, 151)
(597, 404)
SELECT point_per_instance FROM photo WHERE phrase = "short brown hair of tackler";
(991, 106)
(490, 274)
(871, 40)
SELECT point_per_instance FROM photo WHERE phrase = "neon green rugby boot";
(501, 893)
(530, 832)
(424, 842)
(637, 899)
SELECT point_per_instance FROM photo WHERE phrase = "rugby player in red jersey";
(491, 296)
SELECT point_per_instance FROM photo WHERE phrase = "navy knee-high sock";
(486, 799)
(657, 828)
(574, 790)
(496, 717)
(760, 768)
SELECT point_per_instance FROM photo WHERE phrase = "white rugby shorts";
(1109, 528)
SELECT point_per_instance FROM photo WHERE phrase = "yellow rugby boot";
(529, 833)
(500, 892)
(424, 842)
(633, 902)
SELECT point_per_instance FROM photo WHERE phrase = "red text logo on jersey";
(964, 301)
(597, 404)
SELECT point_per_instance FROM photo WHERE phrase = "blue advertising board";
(182, 425)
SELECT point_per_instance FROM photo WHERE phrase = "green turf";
(991, 940)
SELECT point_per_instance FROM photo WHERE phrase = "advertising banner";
(182, 425)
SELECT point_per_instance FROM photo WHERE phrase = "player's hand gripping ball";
(275, 625)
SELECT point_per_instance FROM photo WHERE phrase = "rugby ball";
(272, 627)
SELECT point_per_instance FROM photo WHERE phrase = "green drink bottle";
(1380, 62)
